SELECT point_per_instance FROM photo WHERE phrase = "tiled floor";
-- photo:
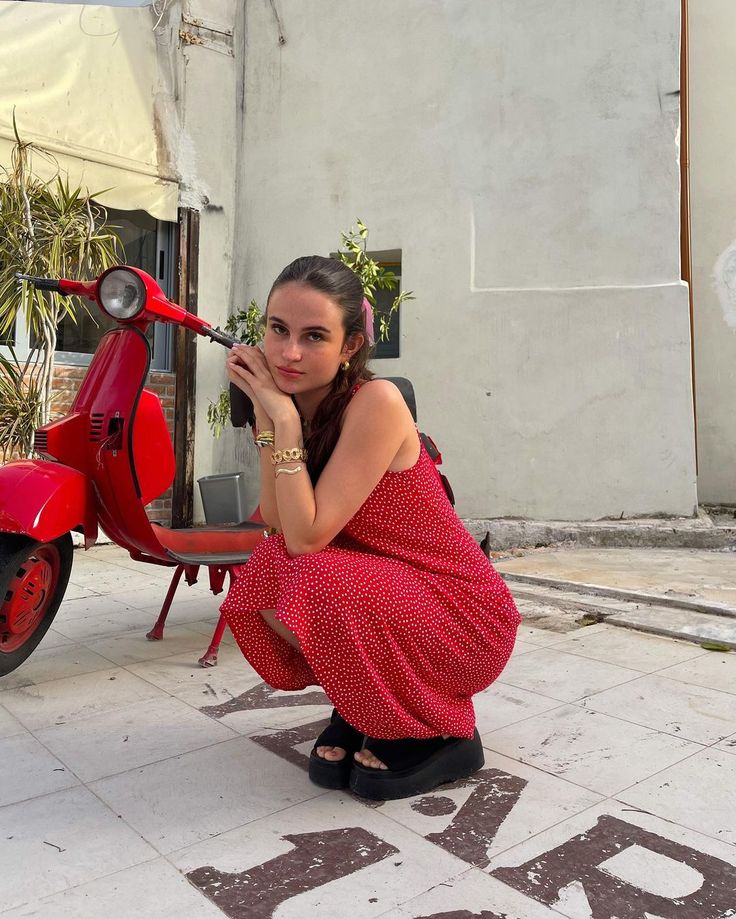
(137, 784)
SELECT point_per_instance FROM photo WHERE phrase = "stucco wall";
(712, 26)
(524, 158)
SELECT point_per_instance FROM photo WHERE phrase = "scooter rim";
(30, 593)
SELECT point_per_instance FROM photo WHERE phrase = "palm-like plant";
(20, 406)
(47, 229)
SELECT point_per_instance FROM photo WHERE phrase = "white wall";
(524, 158)
(712, 46)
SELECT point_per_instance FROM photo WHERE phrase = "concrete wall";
(524, 158)
(712, 51)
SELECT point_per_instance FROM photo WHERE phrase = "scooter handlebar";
(41, 283)
(241, 407)
(220, 337)
(61, 285)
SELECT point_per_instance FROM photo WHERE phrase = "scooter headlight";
(122, 294)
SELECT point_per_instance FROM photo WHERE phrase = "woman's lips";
(291, 374)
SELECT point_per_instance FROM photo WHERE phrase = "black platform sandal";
(335, 773)
(416, 766)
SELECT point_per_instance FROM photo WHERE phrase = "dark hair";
(343, 287)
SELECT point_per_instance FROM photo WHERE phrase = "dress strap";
(356, 388)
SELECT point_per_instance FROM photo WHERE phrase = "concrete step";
(576, 588)
(688, 625)
(646, 613)
(655, 533)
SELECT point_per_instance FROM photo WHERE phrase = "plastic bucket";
(223, 497)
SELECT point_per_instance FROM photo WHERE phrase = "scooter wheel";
(33, 579)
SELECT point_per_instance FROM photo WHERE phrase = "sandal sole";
(334, 774)
(456, 761)
(328, 774)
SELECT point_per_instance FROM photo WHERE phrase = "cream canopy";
(85, 84)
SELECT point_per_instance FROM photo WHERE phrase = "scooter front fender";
(44, 500)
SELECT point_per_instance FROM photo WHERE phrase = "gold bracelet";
(288, 456)
(264, 439)
(288, 471)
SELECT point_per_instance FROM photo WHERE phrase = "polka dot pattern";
(401, 618)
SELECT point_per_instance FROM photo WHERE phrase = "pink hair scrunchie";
(368, 321)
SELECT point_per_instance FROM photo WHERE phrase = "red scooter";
(102, 464)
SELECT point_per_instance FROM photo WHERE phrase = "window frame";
(162, 358)
(391, 260)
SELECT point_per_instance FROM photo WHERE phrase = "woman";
(372, 587)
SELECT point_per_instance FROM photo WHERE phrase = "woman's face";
(305, 340)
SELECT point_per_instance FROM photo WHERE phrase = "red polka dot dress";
(401, 618)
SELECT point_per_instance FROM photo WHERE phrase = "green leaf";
(715, 646)
(218, 413)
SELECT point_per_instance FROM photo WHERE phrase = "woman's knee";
(269, 615)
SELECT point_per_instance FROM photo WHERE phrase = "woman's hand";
(247, 368)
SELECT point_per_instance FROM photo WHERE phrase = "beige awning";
(86, 87)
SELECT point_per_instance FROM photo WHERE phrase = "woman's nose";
(292, 352)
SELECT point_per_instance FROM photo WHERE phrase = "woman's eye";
(315, 336)
(278, 329)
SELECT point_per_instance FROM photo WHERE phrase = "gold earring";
(346, 365)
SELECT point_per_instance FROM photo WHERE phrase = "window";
(148, 244)
(391, 260)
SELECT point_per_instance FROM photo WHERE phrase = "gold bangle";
(264, 439)
(288, 456)
(288, 471)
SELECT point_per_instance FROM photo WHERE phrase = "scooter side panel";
(153, 454)
(44, 500)
(64, 440)
(110, 395)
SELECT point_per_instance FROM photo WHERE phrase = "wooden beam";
(185, 367)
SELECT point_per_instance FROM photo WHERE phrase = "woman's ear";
(353, 344)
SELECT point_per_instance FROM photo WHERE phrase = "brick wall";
(66, 383)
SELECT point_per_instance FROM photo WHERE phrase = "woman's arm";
(267, 498)
(376, 425)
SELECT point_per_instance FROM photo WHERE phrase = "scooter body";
(116, 434)
(103, 462)
(100, 466)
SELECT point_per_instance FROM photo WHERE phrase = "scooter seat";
(211, 545)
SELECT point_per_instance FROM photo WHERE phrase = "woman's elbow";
(269, 517)
(295, 547)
